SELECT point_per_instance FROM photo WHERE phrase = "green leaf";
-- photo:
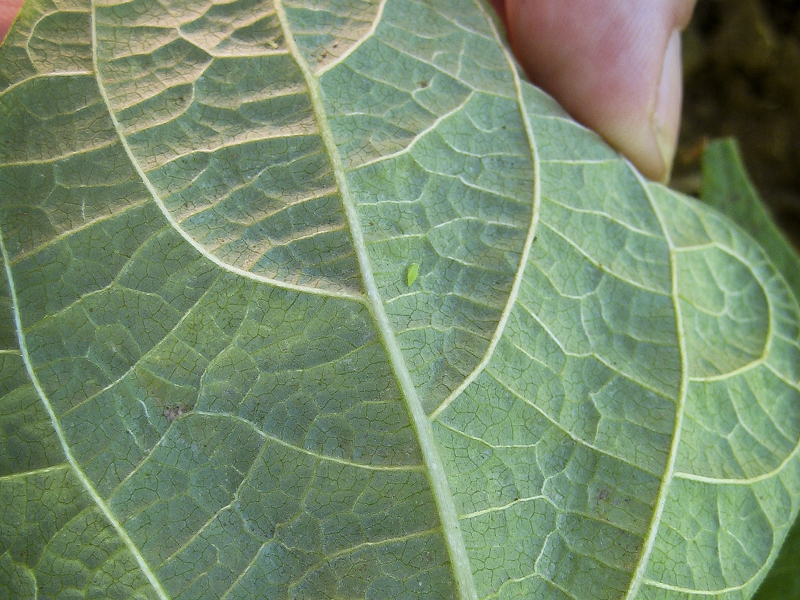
(727, 187)
(783, 580)
(215, 385)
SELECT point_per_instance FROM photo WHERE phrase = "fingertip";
(667, 114)
(648, 135)
(8, 12)
(615, 66)
(650, 142)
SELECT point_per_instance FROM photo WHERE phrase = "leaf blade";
(275, 430)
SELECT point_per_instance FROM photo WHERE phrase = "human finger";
(614, 65)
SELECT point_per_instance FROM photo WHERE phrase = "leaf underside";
(727, 188)
(220, 379)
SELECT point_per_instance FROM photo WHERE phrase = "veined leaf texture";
(322, 300)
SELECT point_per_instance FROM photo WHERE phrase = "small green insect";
(413, 272)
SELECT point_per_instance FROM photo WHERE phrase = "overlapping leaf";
(220, 379)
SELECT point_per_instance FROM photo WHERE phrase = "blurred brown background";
(742, 78)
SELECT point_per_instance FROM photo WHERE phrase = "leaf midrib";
(422, 422)
(433, 461)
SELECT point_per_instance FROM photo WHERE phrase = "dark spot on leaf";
(423, 84)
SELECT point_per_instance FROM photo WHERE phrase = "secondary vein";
(526, 249)
(73, 462)
(669, 470)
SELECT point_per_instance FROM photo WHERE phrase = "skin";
(615, 65)
(8, 10)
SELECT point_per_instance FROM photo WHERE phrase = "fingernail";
(667, 113)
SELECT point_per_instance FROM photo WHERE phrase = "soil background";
(742, 79)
